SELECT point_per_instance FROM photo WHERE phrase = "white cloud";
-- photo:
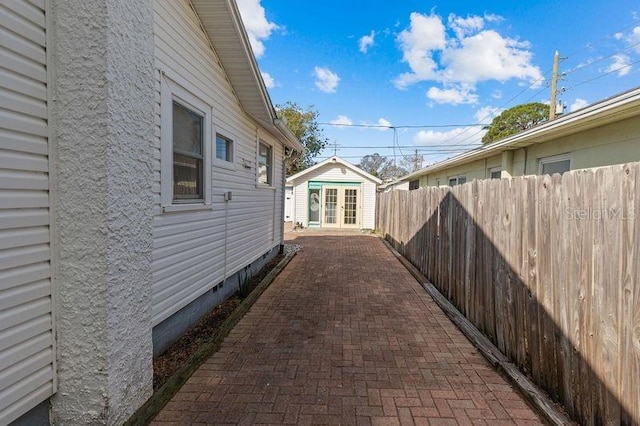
(578, 104)
(425, 35)
(268, 80)
(341, 120)
(366, 42)
(470, 55)
(256, 23)
(489, 56)
(634, 39)
(487, 114)
(326, 80)
(621, 65)
(496, 94)
(490, 17)
(464, 26)
(383, 122)
(449, 137)
(454, 96)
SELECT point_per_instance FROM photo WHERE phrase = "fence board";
(547, 268)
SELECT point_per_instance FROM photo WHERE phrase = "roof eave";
(242, 70)
(610, 110)
(337, 160)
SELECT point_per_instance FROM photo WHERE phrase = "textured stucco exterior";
(104, 106)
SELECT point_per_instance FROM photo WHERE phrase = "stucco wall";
(104, 133)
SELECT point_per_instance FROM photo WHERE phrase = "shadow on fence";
(547, 268)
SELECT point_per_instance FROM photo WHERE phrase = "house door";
(341, 207)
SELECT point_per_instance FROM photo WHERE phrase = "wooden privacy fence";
(547, 268)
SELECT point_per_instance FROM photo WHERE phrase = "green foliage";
(381, 167)
(304, 125)
(515, 120)
(245, 284)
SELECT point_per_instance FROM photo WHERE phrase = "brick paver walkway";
(345, 335)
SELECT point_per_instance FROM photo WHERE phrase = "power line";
(603, 74)
(535, 82)
(413, 126)
(580, 67)
(420, 147)
(606, 37)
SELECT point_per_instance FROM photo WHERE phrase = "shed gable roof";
(335, 160)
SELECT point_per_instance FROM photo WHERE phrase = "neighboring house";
(141, 177)
(334, 194)
(396, 185)
(605, 133)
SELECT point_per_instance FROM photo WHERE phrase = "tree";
(304, 125)
(515, 120)
(381, 167)
(412, 163)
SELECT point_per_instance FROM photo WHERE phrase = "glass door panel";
(314, 206)
(350, 216)
(330, 206)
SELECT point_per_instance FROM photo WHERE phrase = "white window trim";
(219, 129)
(457, 178)
(493, 170)
(171, 91)
(553, 159)
(273, 154)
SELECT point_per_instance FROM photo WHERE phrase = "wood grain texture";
(547, 268)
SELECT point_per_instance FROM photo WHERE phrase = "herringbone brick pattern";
(345, 335)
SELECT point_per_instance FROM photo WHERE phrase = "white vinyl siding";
(191, 253)
(334, 173)
(26, 318)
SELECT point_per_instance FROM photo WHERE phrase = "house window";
(457, 180)
(495, 173)
(188, 150)
(265, 164)
(224, 148)
(414, 184)
(185, 149)
(556, 164)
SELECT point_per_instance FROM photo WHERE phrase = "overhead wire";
(469, 126)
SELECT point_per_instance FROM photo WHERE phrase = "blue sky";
(448, 66)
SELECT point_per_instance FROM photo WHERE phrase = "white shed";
(334, 194)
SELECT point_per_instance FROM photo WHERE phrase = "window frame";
(172, 92)
(417, 186)
(270, 167)
(553, 159)
(493, 170)
(231, 143)
(457, 178)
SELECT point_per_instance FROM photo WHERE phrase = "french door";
(341, 207)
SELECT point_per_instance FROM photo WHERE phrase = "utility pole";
(554, 86)
(415, 161)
